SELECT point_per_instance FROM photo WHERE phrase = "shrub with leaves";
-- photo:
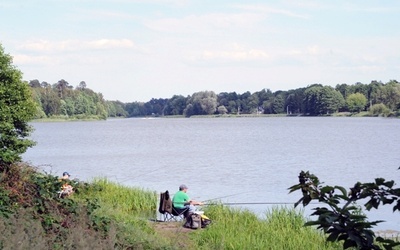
(341, 218)
(16, 109)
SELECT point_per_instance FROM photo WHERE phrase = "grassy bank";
(241, 229)
(106, 215)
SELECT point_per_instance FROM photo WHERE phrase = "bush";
(17, 108)
(379, 109)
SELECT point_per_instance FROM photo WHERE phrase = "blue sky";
(135, 50)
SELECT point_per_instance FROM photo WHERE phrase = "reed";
(282, 228)
(121, 202)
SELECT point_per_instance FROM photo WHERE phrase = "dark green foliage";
(61, 100)
(315, 99)
(33, 216)
(16, 110)
(341, 219)
(322, 100)
(30, 199)
(5, 203)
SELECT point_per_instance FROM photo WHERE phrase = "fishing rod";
(226, 196)
(252, 203)
(137, 176)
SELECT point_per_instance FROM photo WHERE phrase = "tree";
(82, 85)
(356, 102)
(176, 105)
(341, 218)
(253, 103)
(320, 100)
(201, 103)
(344, 89)
(34, 83)
(222, 110)
(379, 109)
(278, 105)
(17, 108)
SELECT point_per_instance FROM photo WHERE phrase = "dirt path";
(175, 232)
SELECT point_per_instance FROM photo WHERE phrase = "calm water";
(234, 160)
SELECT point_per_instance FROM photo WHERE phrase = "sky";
(136, 50)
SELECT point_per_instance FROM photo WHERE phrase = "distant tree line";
(63, 100)
(376, 97)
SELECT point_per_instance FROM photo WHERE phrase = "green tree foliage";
(231, 101)
(294, 101)
(16, 109)
(253, 103)
(379, 109)
(278, 104)
(388, 94)
(313, 100)
(356, 102)
(60, 99)
(116, 109)
(321, 100)
(344, 89)
(175, 105)
(201, 103)
(222, 110)
(340, 218)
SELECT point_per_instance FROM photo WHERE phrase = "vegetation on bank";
(107, 215)
(241, 229)
(63, 101)
(341, 218)
(33, 215)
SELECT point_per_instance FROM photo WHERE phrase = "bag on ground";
(195, 221)
(205, 221)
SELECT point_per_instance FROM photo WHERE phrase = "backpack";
(165, 203)
(195, 221)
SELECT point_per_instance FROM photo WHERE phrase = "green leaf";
(333, 236)
(327, 189)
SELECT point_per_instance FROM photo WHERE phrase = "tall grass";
(121, 202)
(131, 208)
(241, 229)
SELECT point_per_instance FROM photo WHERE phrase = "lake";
(235, 160)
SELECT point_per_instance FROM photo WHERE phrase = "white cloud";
(21, 59)
(207, 23)
(232, 53)
(173, 2)
(269, 10)
(104, 14)
(45, 46)
(109, 44)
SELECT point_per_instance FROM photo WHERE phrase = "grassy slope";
(106, 215)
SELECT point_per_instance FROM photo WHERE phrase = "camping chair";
(167, 209)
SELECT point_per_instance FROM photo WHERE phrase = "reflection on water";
(234, 160)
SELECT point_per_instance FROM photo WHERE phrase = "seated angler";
(182, 203)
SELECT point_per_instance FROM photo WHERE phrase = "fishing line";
(226, 196)
(255, 203)
(258, 203)
(137, 176)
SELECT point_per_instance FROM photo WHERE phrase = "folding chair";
(167, 209)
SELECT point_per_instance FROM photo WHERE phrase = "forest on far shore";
(62, 100)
